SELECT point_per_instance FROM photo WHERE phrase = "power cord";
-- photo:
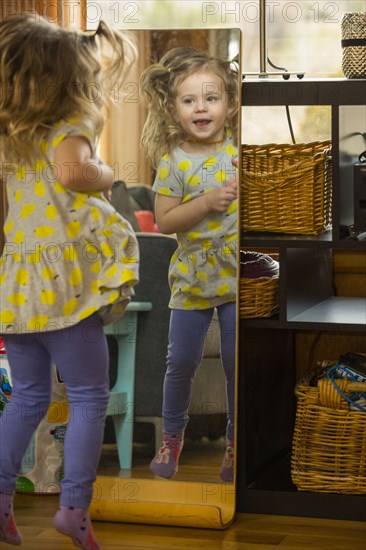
(288, 115)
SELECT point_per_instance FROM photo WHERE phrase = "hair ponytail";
(118, 52)
(161, 133)
(49, 73)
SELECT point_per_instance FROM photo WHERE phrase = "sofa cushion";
(124, 203)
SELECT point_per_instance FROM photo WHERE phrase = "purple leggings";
(187, 333)
(80, 354)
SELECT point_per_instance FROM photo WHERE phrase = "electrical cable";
(312, 348)
(353, 134)
(290, 124)
(288, 115)
(275, 66)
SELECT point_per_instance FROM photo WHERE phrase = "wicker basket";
(287, 188)
(329, 442)
(258, 297)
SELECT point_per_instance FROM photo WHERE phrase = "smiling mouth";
(201, 122)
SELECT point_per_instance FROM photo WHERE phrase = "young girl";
(70, 261)
(189, 135)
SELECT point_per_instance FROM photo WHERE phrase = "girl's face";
(201, 106)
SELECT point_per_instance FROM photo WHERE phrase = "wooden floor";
(248, 532)
(200, 461)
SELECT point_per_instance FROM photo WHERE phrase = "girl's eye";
(188, 101)
(212, 98)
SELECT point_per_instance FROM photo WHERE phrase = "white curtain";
(120, 141)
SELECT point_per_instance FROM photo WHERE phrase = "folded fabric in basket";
(254, 265)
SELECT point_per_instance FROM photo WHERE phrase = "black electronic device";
(354, 364)
(359, 196)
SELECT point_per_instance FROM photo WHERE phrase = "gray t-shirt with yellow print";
(67, 254)
(202, 272)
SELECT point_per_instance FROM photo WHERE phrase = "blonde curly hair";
(49, 73)
(158, 85)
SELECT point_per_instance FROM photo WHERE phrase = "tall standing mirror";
(126, 489)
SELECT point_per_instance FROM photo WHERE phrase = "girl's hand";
(234, 180)
(173, 216)
(233, 184)
(219, 199)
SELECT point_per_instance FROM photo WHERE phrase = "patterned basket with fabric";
(287, 188)
(329, 441)
(258, 297)
(354, 44)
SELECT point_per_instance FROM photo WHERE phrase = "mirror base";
(203, 505)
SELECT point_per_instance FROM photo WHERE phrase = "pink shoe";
(165, 462)
(227, 466)
(8, 530)
(76, 524)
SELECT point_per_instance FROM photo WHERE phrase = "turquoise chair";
(121, 400)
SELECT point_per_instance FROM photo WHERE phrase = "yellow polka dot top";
(202, 272)
(67, 254)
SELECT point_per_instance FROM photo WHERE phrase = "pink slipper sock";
(8, 529)
(227, 466)
(165, 462)
(76, 524)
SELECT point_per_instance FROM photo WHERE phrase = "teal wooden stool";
(121, 400)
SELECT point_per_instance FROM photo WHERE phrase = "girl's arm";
(173, 216)
(75, 168)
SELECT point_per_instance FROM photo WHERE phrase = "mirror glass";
(197, 482)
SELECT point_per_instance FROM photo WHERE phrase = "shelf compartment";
(352, 123)
(309, 285)
(306, 279)
(286, 188)
(340, 310)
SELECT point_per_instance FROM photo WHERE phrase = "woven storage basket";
(329, 442)
(287, 188)
(354, 44)
(258, 297)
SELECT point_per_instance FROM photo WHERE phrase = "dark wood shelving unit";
(267, 347)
